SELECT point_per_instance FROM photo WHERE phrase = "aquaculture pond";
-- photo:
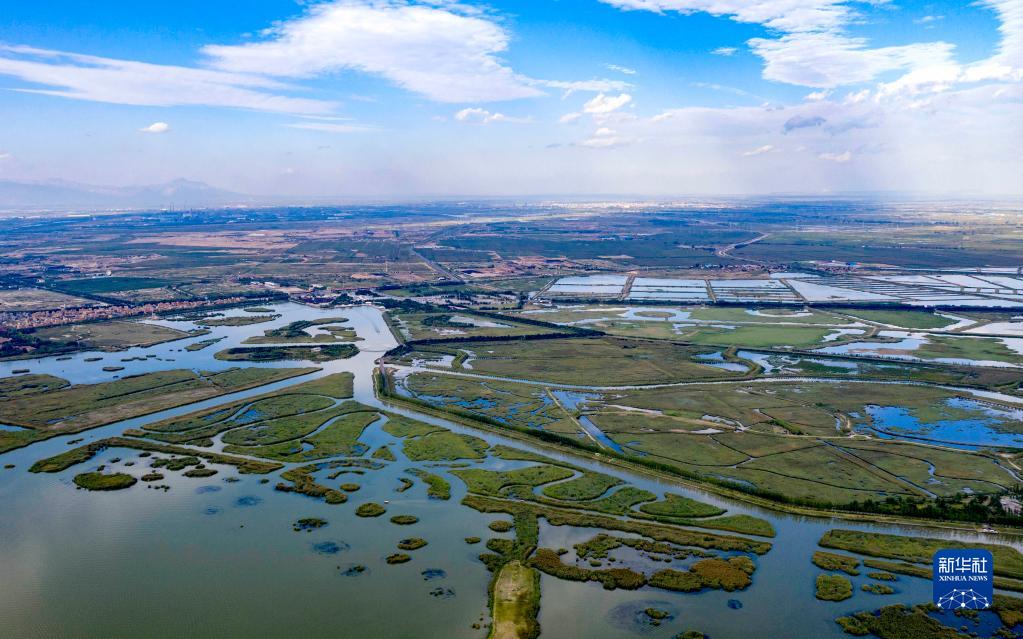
(229, 555)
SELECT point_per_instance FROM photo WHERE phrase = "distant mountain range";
(71, 196)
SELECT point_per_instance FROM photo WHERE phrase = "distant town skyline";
(403, 98)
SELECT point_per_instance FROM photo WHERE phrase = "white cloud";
(817, 96)
(725, 51)
(841, 158)
(592, 86)
(605, 141)
(826, 60)
(781, 15)
(621, 69)
(808, 46)
(440, 50)
(98, 79)
(570, 117)
(482, 116)
(955, 141)
(604, 104)
(606, 138)
(5, 156)
(156, 127)
(1010, 13)
(727, 89)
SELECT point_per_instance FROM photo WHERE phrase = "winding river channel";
(209, 558)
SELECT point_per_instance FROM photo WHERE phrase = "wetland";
(310, 444)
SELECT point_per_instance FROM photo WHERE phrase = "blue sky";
(406, 98)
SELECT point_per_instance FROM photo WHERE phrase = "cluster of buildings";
(39, 319)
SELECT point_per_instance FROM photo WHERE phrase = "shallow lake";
(977, 424)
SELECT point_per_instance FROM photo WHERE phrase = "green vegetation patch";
(401, 426)
(678, 506)
(831, 561)
(877, 589)
(337, 385)
(301, 398)
(1009, 610)
(419, 325)
(412, 543)
(490, 482)
(200, 472)
(549, 561)
(404, 520)
(445, 446)
(1008, 561)
(339, 437)
(370, 509)
(924, 572)
(238, 320)
(773, 315)
(82, 454)
(895, 622)
(520, 483)
(73, 409)
(964, 347)
(515, 602)
(20, 385)
(200, 345)
(436, 486)
(587, 486)
(833, 588)
(287, 428)
(745, 524)
(398, 558)
(325, 353)
(308, 524)
(725, 574)
(610, 361)
(731, 574)
(302, 481)
(600, 546)
(902, 319)
(655, 531)
(295, 332)
(620, 502)
(309, 414)
(510, 403)
(101, 481)
(756, 336)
